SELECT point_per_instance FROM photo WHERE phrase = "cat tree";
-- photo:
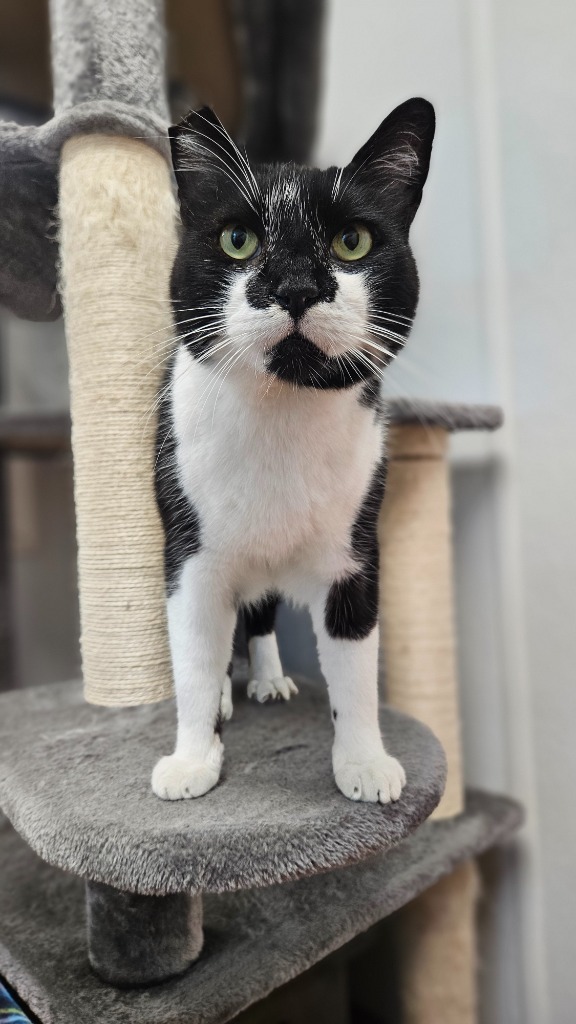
(284, 854)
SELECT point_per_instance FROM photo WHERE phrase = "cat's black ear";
(199, 138)
(200, 144)
(397, 156)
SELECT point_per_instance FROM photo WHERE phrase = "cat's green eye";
(352, 243)
(239, 242)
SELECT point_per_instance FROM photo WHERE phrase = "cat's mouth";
(297, 359)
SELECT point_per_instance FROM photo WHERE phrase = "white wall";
(495, 244)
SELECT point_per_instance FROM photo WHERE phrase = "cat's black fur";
(352, 604)
(180, 519)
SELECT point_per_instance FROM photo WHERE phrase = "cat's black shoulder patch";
(182, 535)
(351, 610)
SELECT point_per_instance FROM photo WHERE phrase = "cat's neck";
(203, 398)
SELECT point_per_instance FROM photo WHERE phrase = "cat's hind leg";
(267, 679)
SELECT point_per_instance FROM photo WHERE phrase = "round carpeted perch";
(276, 816)
(257, 939)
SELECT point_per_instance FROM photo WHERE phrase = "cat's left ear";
(201, 145)
(397, 156)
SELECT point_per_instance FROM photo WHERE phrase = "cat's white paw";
(377, 779)
(281, 688)
(226, 700)
(180, 778)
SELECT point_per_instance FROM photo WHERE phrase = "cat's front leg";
(345, 622)
(201, 620)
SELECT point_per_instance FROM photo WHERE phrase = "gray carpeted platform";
(452, 416)
(255, 940)
(75, 782)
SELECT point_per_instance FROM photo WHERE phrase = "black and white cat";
(292, 290)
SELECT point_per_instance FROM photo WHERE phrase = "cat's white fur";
(277, 475)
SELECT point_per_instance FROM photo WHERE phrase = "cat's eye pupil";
(238, 236)
(351, 238)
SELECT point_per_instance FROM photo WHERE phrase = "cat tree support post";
(438, 928)
(118, 236)
(117, 232)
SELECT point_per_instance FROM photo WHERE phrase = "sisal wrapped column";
(417, 629)
(438, 963)
(417, 624)
(117, 243)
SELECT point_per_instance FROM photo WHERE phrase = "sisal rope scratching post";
(118, 237)
(417, 628)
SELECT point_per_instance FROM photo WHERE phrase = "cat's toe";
(377, 780)
(179, 778)
(263, 690)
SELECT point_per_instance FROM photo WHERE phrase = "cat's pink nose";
(296, 300)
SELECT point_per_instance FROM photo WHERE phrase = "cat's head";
(296, 273)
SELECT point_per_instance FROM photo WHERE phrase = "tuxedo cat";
(292, 290)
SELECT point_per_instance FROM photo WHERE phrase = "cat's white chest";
(273, 477)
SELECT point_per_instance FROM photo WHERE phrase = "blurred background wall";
(495, 244)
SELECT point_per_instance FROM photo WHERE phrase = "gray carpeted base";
(255, 940)
(75, 782)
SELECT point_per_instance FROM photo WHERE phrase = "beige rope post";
(118, 237)
(417, 628)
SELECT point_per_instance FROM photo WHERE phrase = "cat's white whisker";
(239, 356)
(242, 159)
(213, 380)
(224, 167)
(380, 348)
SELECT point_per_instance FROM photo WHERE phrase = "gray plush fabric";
(108, 71)
(452, 416)
(75, 782)
(111, 53)
(255, 940)
(137, 940)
